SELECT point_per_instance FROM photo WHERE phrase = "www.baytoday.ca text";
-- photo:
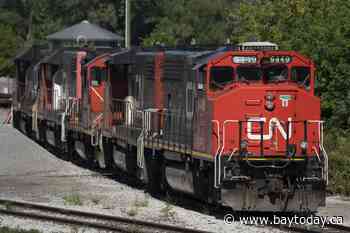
(290, 221)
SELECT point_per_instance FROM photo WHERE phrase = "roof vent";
(258, 46)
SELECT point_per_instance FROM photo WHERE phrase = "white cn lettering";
(274, 124)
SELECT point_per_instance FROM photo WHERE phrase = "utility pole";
(127, 24)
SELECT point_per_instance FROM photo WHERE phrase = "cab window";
(301, 75)
(249, 73)
(220, 77)
(201, 79)
(276, 73)
(98, 75)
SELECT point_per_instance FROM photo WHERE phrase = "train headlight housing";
(269, 105)
(303, 145)
(269, 97)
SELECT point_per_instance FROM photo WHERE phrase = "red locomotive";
(238, 127)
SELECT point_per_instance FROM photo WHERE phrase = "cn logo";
(274, 124)
(285, 100)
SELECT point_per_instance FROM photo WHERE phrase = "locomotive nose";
(269, 129)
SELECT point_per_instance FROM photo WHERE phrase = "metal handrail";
(217, 153)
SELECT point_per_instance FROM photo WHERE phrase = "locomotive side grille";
(148, 70)
(173, 69)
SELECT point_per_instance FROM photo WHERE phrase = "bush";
(73, 199)
(338, 148)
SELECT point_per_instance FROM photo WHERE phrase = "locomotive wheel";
(83, 153)
(154, 162)
(42, 134)
(100, 158)
(16, 118)
(28, 127)
(75, 157)
(107, 153)
(72, 154)
(70, 147)
(61, 147)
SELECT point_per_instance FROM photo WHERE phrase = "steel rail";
(339, 227)
(114, 222)
(329, 228)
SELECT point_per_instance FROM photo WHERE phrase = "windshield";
(301, 75)
(249, 73)
(98, 74)
(275, 73)
(221, 77)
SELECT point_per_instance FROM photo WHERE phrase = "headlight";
(269, 97)
(269, 105)
(303, 145)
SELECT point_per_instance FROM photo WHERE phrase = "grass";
(73, 199)
(11, 230)
(142, 203)
(167, 211)
(75, 229)
(132, 212)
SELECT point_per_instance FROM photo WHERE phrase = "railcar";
(25, 93)
(59, 99)
(85, 107)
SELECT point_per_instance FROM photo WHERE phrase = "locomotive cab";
(268, 96)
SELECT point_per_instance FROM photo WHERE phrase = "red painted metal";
(158, 85)
(80, 57)
(158, 89)
(97, 92)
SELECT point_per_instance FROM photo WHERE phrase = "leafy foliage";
(8, 46)
(339, 163)
(186, 21)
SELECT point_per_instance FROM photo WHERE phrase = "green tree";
(183, 21)
(8, 47)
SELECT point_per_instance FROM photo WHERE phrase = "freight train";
(236, 126)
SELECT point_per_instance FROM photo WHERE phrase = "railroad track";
(86, 219)
(329, 228)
